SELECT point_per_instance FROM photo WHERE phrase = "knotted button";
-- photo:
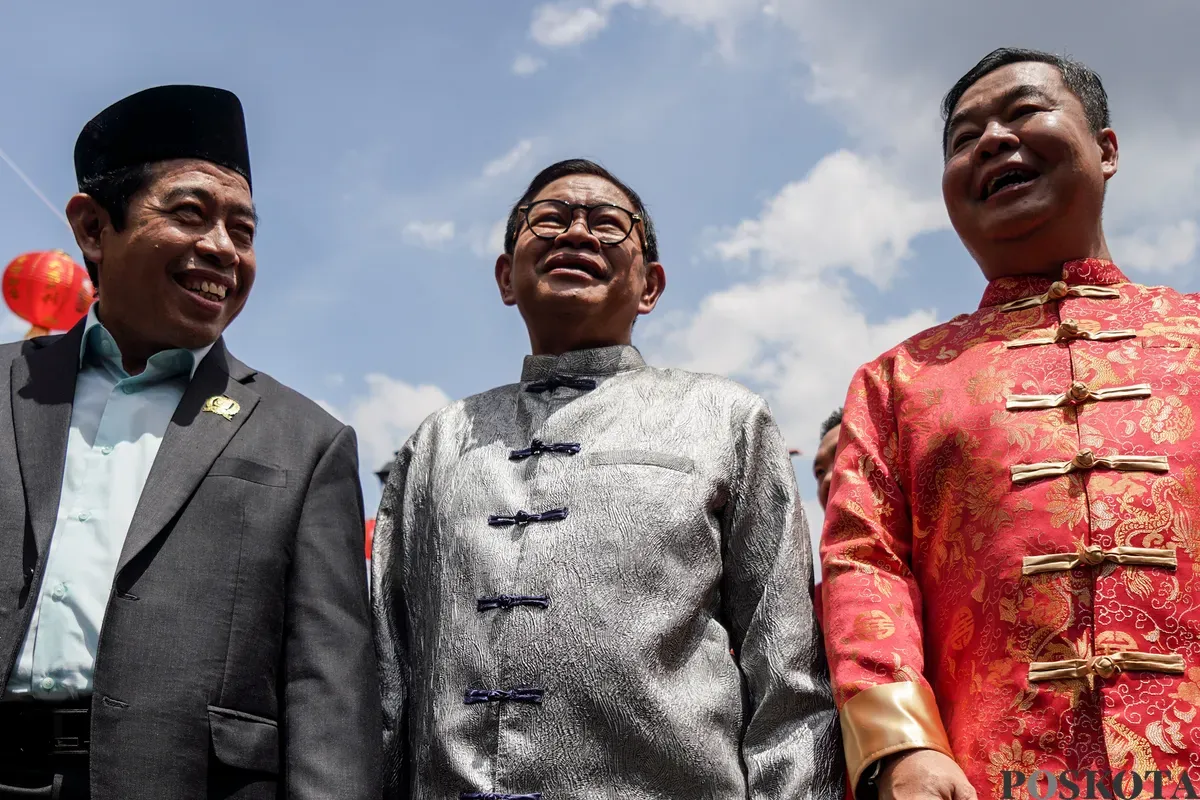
(1086, 459)
(1079, 392)
(1092, 555)
(1069, 329)
(1058, 290)
(1105, 666)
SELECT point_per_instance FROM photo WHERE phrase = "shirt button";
(83, 516)
(106, 450)
(47, 683)
(127, 389)
(60, 591)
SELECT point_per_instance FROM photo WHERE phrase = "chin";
(191, 334)
(1015, 224)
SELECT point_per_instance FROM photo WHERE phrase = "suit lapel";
(192, 443)
(43, 391)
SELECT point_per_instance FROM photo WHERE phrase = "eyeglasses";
(549, 219)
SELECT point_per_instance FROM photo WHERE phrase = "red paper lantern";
(48, 290)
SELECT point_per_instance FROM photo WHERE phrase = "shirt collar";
(596, 361)
(1081, 272)
(99, 344)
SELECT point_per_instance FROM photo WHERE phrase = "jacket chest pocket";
(246, 470)
(644, 498)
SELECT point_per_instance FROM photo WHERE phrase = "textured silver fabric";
(683, 540)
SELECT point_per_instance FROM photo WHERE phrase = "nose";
(996, 139)
(577, 234)
(216, 245)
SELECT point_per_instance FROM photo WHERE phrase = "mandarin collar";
(599, 361)
(1080, 272)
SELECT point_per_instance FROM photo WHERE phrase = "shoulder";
(706, 390)
(10, 352)
(474, 410)
(13, 352)
(937, 344)
(303, 417)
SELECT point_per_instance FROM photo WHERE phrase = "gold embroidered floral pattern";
(1167, 419)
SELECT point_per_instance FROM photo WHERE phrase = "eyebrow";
(1022, 92)
(181, 192)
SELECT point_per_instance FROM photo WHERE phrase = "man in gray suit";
(182, 609)
(595, 582)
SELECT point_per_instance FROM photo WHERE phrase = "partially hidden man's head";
(580, 258)
(164, 214)
(1028, 151)
(831, 428)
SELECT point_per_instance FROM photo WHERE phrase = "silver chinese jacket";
(596, 584)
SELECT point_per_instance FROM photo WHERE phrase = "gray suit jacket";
(235, 658)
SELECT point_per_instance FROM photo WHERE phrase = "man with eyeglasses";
(595, 582)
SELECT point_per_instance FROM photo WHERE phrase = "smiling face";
(573, 290)
(181, 268)
(1024, 174)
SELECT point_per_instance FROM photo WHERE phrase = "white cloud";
(386, 415)
(792, 329)
(566, 24)
(797, 340)
(488, 241)
(429, 234)
(1160, 248)
(525, 64)
(846, 212)
(509, 161)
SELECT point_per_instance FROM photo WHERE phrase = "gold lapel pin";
(222, 406)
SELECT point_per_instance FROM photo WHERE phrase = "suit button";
(47, 683)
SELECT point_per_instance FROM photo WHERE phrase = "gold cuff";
(1078, 394)
(1059, 291)
(890, 718)
(1093, 555)
(1106, 666)
(1085, 460)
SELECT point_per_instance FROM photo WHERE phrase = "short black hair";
(112, 191)
(581, 166)
(1083, 82)
(831, 422)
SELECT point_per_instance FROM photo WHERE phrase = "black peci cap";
(164, 123)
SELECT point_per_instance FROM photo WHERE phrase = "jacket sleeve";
(331, 689)
(871, 598)
(393, 529)
(791, 745)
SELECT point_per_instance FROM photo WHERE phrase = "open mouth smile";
(1010, 178)
(569, 263)
(209, 288)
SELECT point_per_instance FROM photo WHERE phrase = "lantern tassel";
(36, 330)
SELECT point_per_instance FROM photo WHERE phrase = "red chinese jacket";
(1010, 546)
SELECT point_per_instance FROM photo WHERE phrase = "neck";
(1035, 258)
(135, 351)
(557, 342)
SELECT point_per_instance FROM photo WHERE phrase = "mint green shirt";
(117, 424)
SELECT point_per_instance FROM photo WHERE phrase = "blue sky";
(787, 149)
